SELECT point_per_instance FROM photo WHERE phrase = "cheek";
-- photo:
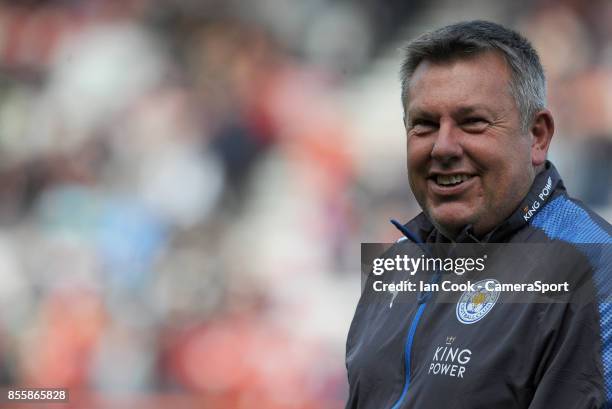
(418, 153)
(505, 178)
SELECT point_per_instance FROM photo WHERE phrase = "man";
(478, 134)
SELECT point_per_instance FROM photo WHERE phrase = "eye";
(423, 126)
(474, 124)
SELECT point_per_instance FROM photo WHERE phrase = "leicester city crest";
(474, 305)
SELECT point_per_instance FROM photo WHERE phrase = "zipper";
(422, 301)
(407, 352)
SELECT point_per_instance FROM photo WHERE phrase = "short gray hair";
(465, 39)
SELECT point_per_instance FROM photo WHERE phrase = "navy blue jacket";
(419, 352)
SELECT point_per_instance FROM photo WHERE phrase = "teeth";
(451, 179)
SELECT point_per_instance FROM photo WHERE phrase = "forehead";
(479, 80)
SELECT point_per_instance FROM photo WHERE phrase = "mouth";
(450, 184)
(451, 180)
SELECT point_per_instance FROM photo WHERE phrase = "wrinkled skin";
(461, 119)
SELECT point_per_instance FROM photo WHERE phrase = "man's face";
(468, 160)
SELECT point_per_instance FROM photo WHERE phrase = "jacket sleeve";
(570, 373)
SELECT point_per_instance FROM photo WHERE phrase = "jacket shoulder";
(570, 220)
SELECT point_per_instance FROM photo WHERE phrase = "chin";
(452, 218)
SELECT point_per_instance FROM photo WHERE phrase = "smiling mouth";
(451, 180)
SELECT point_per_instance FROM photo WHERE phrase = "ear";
(541, 131)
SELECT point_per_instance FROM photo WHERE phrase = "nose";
(447, 144)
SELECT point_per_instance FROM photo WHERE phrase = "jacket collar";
(547, 184)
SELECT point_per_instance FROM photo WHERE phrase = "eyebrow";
(470, 109)
(421, 114)
(461, 111)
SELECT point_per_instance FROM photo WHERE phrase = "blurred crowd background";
(184, 185)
